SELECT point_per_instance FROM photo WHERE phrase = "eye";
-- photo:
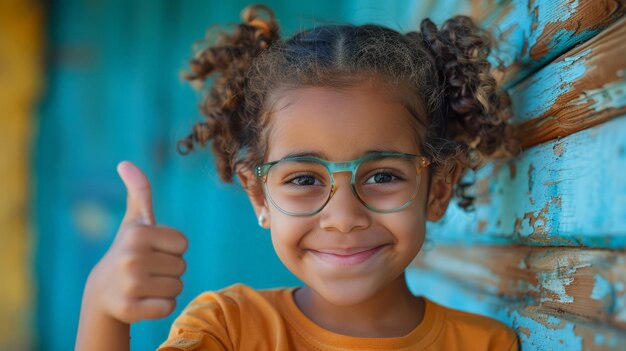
(382, 177)
(303, 180)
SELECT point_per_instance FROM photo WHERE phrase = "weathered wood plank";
(540, 331)
(536, 329)
(582, 88)
(567, 192)
(533, 33)
(581, 284)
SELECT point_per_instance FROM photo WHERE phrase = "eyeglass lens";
(302, 187)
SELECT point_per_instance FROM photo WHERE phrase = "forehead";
(340, 124)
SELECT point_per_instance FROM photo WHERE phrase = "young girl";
(346, 139)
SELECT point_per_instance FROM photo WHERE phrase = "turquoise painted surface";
(564, 192)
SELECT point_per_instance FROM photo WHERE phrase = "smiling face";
(342, 125)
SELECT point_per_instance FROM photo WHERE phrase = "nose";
(344, 212)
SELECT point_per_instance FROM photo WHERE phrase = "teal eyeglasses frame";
(352, 166)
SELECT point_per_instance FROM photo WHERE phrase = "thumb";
(139, 194)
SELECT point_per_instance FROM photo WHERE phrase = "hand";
(139, 276)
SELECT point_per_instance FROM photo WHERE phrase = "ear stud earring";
(261, 220)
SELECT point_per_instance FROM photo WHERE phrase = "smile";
(347, 260)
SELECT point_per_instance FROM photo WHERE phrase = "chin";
(346, 293)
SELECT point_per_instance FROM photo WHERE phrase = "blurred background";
(85, 84)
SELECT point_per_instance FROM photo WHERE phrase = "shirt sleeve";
(189, 341)
(201, 325)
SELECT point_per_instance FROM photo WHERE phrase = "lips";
(347, 257)
(348, 251)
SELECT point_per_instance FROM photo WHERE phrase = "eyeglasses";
(303, 185)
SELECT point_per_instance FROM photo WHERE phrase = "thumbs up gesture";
(139, 276)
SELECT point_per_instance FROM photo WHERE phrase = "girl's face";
(342, 126)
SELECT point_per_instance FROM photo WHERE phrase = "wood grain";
(578, 284)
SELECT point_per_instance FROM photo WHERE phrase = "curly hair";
(443, 75)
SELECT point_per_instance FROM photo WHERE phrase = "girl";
(346, 139)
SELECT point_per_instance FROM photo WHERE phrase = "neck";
(392, 312)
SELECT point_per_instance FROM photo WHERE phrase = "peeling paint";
(562, 334)
(559, 148)
(612, 95)
(601, 287)
(481, 225)
(535, 97)
(531, 169)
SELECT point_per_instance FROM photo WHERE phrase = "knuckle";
(176, 239)
(132, 263)
(178, 287)
(184, 242)
(178, 243)
(179, 239)
(163, 308)
(134, 236)
(132, 288)
(182, 267)
(169, 307)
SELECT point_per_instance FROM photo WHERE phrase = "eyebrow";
(322, 156)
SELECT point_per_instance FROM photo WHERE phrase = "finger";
(168, 240)
(159, 286)
(139, 194)
(163, 264)
(154, 308)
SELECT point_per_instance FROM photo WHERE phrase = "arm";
(99, 331)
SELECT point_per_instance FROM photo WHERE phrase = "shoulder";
(227, 305)
(217, 317)
(475, 328)
(238, 294)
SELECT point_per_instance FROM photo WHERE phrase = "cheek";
(287, 232)
(409, 226)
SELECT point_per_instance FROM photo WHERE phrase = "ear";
(255, 194)
(441, 191)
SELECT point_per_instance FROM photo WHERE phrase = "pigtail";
(475, 107)
(469, 111)
(224, 107)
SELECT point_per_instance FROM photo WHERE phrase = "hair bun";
(230, 55)
(477, 107)
(266, 28)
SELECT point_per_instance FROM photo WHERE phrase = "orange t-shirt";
(241, 318)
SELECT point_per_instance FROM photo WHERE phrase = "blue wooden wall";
(542, 252)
